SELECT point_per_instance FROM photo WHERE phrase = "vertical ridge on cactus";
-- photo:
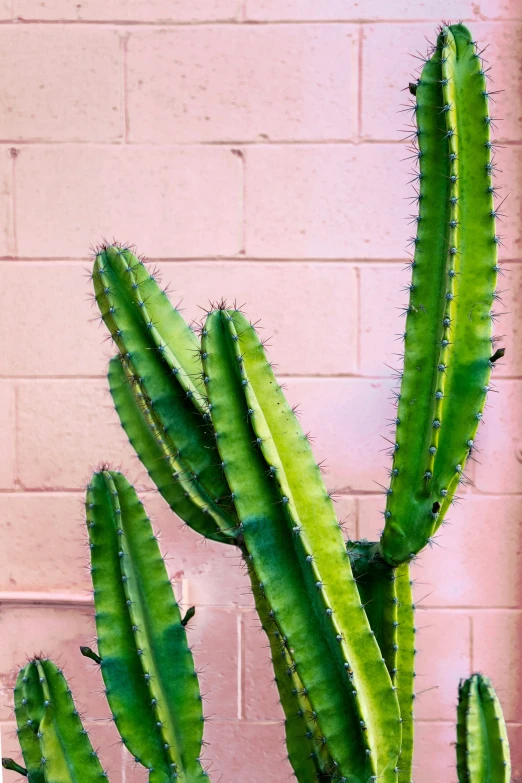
(448, 342)
(482, 743)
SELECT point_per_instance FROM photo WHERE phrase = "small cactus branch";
(405, 676)
(55, 746)
(448, 342)
(482, 743)
(11, 765)
(146, 665)
(88, 653)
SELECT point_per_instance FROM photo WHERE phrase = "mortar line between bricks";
(246, 23)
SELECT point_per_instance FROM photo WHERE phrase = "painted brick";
(382, 321)
(304, 339)
(292, 82)
(214, 573)
(57, 632)
(497, 637)
(50, 322)
(171, 201)
(461, 571)
(346, 419)
(5, 9)
(500, 440)
(348, 10)
(508, 178)
(128, 10)
(66, 429)
(383, 91)
(213, 637)
(434, 753)
(261, 698)
(510, 325)
(262, 753)
(337, 201)
(515, 742)
(443, 641)
(8, 430)
(6, 217)
(72, 93)
(45, 530)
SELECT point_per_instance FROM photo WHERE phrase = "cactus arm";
(67, 753)
(186, 498)
(309, 510)
(146, 664)
(12, 766)
(405, 662)
(270, 545)
(27, 708)
(476, 263)
(177, 409)
(447, 362)
(482, 744)
(408, 520)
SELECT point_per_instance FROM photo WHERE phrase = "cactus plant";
(212, 427)
(482, 743)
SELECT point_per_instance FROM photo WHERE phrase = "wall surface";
(251, 148)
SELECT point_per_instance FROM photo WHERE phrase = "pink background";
(251, 149)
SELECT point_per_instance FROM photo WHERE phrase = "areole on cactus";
(211, 425)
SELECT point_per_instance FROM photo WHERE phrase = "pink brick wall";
(250, 148)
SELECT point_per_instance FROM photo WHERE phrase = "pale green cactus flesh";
(55, 746)
(482, 742)
(146, 664)
(268, 464)
(448, 338)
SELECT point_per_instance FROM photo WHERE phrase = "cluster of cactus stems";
(210, 423)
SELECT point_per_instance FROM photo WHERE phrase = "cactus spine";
(482, 743)
(448, 339)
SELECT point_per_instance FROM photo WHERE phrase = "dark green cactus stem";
(147, 666)
(482, 743)
(164, 366)
(55, 746)
(448, 338)
(296, 547)
(386, 593)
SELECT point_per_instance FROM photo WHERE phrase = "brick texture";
(252, 149)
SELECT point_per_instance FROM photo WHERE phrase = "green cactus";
(55, 746)
(212, 427)
(146, 664)
(447, 338)
(482, 742)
